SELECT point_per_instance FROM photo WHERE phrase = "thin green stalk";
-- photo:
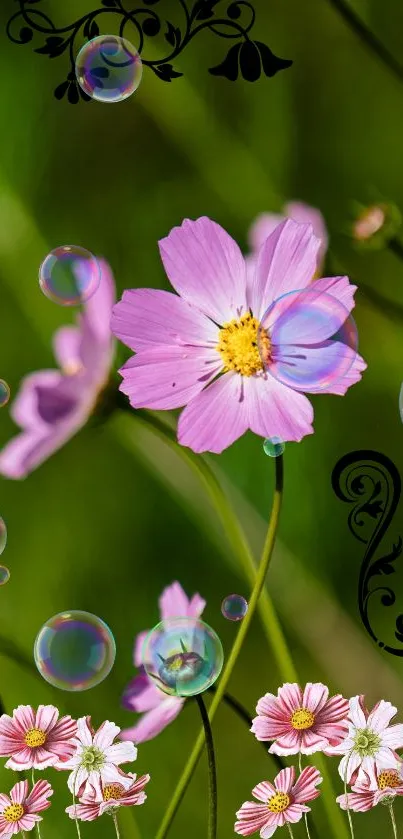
(37, 824)
(232, 658)
(368, 37)
(212, 771)
(115, 822)
(350, 821)
(290, 830)
(305, 815)
(392, 818)
(74, 805)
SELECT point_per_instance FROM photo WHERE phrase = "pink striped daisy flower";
(383, 786)
(280, 803)
(19, 811)
(127, 792)
(36, 740)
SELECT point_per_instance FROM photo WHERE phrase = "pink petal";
(304, 214)
(268, 704)
(19, 792)
(295, 812)
(173, 602)
(312, 742)
(285, 779)
(22, 759)
(163, 378)
(263, 791)
(265, 728)
(42, 758)
(38, 797)
(138, 647)
(286, 262)
(66, 348)
(153, 722)
(262, 227)
(196, 606)
(252, 817)
(84, 812)
(146, 317)
(65, 728)
(324, 368)
(305, 787)
(356, 713)
(84, 733)
(142, 695)
(307, 316)
(46, 717)
(290, 697)
(359, 802)
(315, 697)
(105, 735)
(381, 715)
(98, 309)
(275, 410)
(341, 386)
(28, 450)
(24, 718)
(272, 825)
(336, 709)
(206, 267)
(5, 801)
(339, 288)
(287, 744)
(28, 821)
(215, 418)
(24, 409)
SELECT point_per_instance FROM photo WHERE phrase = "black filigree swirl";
(247, 58)
(371, 483)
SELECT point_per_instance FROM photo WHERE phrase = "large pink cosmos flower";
(97, 757)
(301, 721)
(370, 742)
(201, 349)
(19, 811)
(52, 405)
(141, 694)
(36, 740)
(384, 785)
(93, 803)
(283, 802)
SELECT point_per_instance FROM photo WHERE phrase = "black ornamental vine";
(234, 21)
(370, 483)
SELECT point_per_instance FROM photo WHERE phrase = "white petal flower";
(97, 757)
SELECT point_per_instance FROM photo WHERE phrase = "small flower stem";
(290, 830)
(212, 824)
(305, 815)
(33, 784)
(392, 818)
(74, 805)
(350, 821)
(233, 656)
(115, 822)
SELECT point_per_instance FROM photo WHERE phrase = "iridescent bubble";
(234, 607)
(69, 275)
(401, 402)
(108, 68)
(3, 535)
(183, 656)
(273, 446)
(4, 393)
(74, 650)
(308, 340)
(4, 575)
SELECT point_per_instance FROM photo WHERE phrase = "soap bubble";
(234, 607)
(74, 650)
(401, 402)
(183, 656)
(4, 575)
(69, 275)
(4, 393)
(307, 340)
(3, 535)
(273, 446)
(108, 68)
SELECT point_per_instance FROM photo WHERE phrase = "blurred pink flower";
(52, 405)
(265, 223)
(36, 740)
(384, 785)
(200, 350)
(370, 742)
(301, 721)
(128, 792)
(141, 694)
(97, 757)
(284, 802)
(19, 811)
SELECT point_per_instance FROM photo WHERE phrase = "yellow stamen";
(113, 791)
(389, 778)
(243, 344)
(302, 719)
(13, 812)
(278, 802)
(34, 737)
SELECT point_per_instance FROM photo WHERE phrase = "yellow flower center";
(278, 802)
(113, 791)
(302, 719)
(389, 778)
(13, 812)
(242, 345)
(34, 737)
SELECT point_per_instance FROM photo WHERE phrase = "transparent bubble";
(183, 656)
(3, 535)
(4, 393)
(308, 340)
(74, 650)
(273, 446)
(4, 575)
(234, 607)
(69, 275)
(109, 68)
(401, 402)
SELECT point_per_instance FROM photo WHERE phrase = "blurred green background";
(115, 516)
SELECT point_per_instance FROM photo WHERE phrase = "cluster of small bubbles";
(234, 607)
(3, 535)
(4, 393)
(308, 340)
(4, 575)
(273, 446)
(108, 68)
(74, 650)
(183, 656)
(69, 275)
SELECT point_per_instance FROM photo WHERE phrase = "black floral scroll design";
(371, 483)
(234, 21)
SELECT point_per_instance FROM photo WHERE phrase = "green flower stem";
(37, 824)
(350, 821)
(290, 830)
(232, 658)
(212, 824)
(392, 818)
(74, 804)
(368, 37)
(305, 815)
(115, 822)
(245, 716)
